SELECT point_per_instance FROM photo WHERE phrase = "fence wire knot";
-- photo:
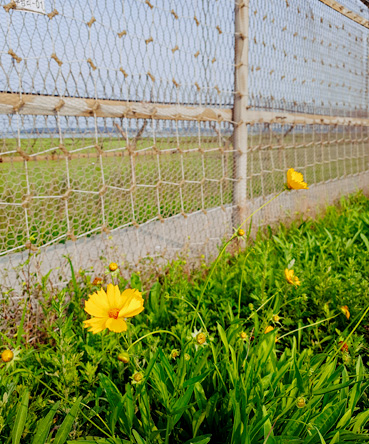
(52, 14)
(9, 6)
(14, 55)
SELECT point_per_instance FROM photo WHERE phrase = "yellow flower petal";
(345, 311)
(117, 325)
(291, 278)
(115, 299)
(133, 303)
(94, 309)
(295, 180)
(100, 300)
(96, 324)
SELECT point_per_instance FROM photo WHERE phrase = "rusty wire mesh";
(102, 188)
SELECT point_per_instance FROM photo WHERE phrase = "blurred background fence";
(148, 128)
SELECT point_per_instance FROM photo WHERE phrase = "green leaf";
(136, 281)
(112, 392)
(98, 440)
(138, 438)
(223, 337)
(268, 429)
(360, 420)
(44, 426)
(20, 419)
(299, 381)
(181, 404)
(154, 297)
(197, 420)
(335, 438)
(203, 439)
(67, 424)
(326, 420)
(365, 240)
(322, 441)
(195, 379)
(168, 368)
(342, 423)
(332, 388)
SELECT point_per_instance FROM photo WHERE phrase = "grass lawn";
(231, 353)
(320, 157)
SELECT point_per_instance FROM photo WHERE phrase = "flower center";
(113, 313)
(201, 338)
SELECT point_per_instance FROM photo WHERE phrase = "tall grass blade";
(20, 419)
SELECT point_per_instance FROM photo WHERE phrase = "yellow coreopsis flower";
(291, 278)
(345, 311)
(268, 329)
(111, 309)
(295, 180)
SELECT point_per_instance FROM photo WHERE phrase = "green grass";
(47, 218)
(302, 389)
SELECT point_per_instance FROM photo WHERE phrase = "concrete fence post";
(241, 99)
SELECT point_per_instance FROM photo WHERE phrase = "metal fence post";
(241, 98)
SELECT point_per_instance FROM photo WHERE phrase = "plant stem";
(221, 254)
(240, 291)
(167, 432)
(153, 333)
(307, 326)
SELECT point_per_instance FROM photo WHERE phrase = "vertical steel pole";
(241, 99)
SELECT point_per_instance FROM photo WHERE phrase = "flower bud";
(240, 232)
(174, 353)
(7, 355)
(201, 338)
(124, 357)
(97, 281)
(113, 266)
(187, 357)
(301, 403)
(137, 378)
(243, 335)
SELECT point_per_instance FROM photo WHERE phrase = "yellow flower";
(243, 335)
(110, 309)
(291, 278)
(345, 311)
(7, 355)
(276, 318)
(268, 329)
(113, 266)
(295, 180)
(124, 357)
(240, 232)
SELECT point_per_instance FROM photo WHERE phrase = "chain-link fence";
(147, 128)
